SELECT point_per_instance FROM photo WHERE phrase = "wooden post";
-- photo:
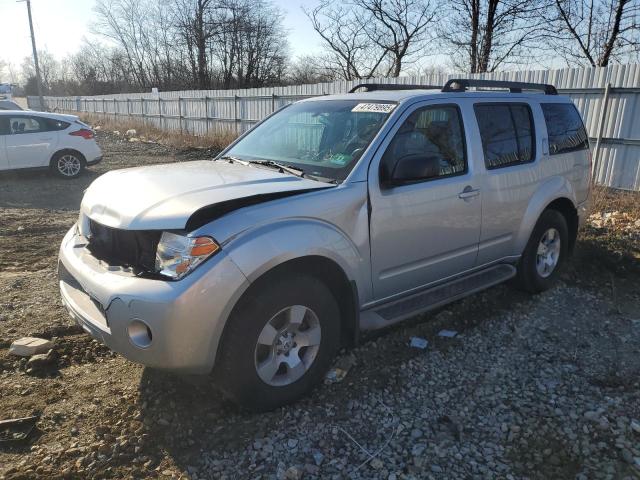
(144, 120)
(273, 102)
(159, 112)
(603, 118)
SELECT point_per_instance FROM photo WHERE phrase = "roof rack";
(393, 86)
(461, 85)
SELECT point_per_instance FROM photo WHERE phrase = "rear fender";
(552, 189)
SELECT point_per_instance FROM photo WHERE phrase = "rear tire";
(68, 164)
(544, 254)
(280, 341)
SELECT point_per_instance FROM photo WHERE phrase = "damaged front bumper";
(173, 325)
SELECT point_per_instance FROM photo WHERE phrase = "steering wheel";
(355, 154)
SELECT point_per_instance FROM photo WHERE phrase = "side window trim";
(532, 123)
(406, 116)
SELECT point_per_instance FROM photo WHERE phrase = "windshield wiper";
(233, 159)
(298, 172)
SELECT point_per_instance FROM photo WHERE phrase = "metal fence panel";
(200, 112)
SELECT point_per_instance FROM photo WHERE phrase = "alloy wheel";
(69, 165)
(548, 253)
(287, 345)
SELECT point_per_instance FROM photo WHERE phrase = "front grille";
(124, 248)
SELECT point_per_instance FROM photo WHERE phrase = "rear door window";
(506, 130)
(26, 124)
(564, 127)
(23, 124)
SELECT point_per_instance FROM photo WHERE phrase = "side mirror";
(413, 168)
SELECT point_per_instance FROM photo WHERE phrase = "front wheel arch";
(329, 273)
(236, 371)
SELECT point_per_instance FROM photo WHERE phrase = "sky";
(61, 25)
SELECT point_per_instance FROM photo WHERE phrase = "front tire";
(279, 343)
(544, 254)
(67, 164)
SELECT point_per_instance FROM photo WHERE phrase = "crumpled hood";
(165, 196)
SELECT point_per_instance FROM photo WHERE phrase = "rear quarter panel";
(551, 189)
(88, 148)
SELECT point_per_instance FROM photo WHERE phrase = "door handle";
(45, 139)
(469, 192)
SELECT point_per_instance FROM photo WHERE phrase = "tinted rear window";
(506, 130)
(565, 128)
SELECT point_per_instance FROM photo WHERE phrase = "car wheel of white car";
(67, 164)
(279, 342)
(545, 253)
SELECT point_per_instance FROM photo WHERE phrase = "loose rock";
(27, 346)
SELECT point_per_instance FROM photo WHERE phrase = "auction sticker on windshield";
(374, 107)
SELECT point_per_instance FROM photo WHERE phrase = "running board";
(390, 313)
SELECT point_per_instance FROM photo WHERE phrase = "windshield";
(324, 138)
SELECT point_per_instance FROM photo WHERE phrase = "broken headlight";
(177, 255)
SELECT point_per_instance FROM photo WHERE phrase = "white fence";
(608, 99)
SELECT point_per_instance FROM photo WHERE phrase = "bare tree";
(98, 69)
(483, 35)
(308, 69)
(51, 70)
(249, 46)
(139, 29)
(365, 38)
(193, 20)
(400, 27)
(594, 32)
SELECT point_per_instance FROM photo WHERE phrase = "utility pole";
(35, 56)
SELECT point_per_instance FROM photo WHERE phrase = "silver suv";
(334, 215)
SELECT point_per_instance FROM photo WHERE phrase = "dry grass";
(214, 141)
(606, 200)
(611, 237)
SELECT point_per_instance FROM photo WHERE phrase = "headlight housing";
(177, 255)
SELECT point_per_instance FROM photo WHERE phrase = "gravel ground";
(544, 386)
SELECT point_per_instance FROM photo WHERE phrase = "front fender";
(260, 249)
(552, 189)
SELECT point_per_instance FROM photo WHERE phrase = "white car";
(59, 142)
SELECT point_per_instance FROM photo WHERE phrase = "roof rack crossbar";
(462, 84)
(393, 86)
